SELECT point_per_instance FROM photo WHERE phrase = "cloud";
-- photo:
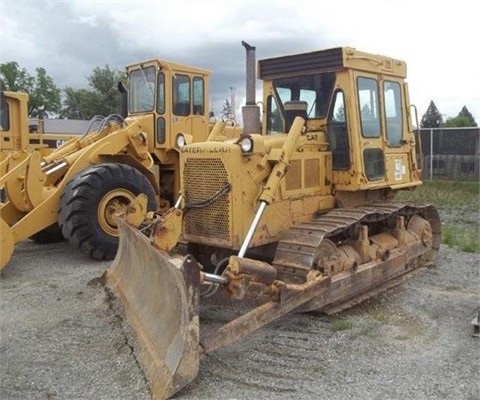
(70, 38)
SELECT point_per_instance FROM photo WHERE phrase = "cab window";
(393, 113)
(315, 90)
(338, 133)
(4, 116)
(161, 93)
(368, 107)
(181, 95)
(141, 91)
(274, 117)
(198, 96)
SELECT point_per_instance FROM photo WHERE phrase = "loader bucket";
(159, 296)
(6, 244)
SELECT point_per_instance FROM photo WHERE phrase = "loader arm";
(34, 187)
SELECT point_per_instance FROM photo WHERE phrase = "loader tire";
(90, 201)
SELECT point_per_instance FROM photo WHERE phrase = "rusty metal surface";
(160, 301)
(296, 250)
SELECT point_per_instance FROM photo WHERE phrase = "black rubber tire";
(78, 214)
(51, 234)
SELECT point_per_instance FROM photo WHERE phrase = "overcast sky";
(439, 40)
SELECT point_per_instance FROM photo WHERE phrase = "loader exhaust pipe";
(123, 99)
(250, 112)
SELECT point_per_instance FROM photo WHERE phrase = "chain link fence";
(451, 154)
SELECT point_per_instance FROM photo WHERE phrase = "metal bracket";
(476, 326)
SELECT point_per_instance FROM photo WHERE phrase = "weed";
(341, 325)
(458, 204)
(465, 238)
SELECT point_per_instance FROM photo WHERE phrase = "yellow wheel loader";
(298, 212)
(75, 190)
(19, 133)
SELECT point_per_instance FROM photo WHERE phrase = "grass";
(458, 204)
(340, 325)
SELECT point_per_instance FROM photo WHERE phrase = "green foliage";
(341, 325)
(102, 99)
(366, 113)
(432, 117)
(467, 114)
(458, 204)
(340, 114)
(463, 119)
(465, 239)
(15, 79)
(44, 96)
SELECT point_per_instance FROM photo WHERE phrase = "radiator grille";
(202, 179)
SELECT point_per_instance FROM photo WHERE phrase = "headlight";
(246, 144)
(180, 141)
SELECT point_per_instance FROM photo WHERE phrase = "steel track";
(295, 252)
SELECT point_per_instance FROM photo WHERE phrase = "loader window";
(393, 113)
(160, 135)
(338, 134)
(368, 107)
(141, 91)
(181, 95)
(4, 117)
(198, 96)
(161, 93)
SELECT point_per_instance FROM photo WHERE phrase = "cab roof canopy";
(330, 60)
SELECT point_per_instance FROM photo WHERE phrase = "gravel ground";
(60, 339)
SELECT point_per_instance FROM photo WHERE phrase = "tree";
(44, 96)
(102, 99)
(432, 117)
(226, 109)
(463, 119)
(366, 113)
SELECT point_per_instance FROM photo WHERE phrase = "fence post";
(431, 152)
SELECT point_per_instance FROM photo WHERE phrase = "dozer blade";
(160, 297)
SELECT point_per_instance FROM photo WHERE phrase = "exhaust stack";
(250, 112)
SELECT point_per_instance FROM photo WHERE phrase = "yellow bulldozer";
(298, 212)
(74, 191)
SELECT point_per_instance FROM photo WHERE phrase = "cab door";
(398, 154)
(199, 110)
(188, 107)
(181, 105)
(385, 152)
(371, 132)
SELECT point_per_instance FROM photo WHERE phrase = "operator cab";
(175, 94)
(355, 102)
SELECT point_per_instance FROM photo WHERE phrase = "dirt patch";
(60, 339)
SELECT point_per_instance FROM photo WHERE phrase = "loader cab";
(13, 122)
(175, 95)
